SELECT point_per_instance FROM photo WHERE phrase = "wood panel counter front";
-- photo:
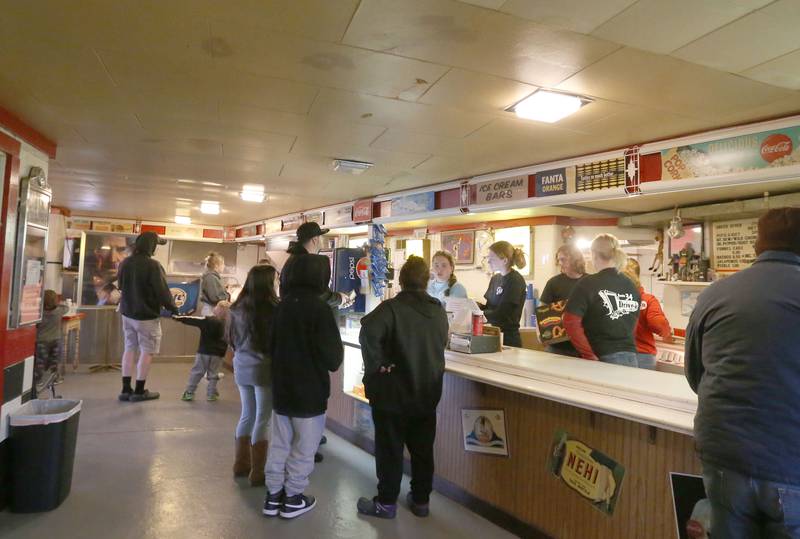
(641, 419)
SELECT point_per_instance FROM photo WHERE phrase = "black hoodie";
(297, 251)
(143, 282)
(305, 343)
(408, 333)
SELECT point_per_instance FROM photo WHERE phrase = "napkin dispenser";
(474, 344)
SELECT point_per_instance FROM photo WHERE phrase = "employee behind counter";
(505, 296)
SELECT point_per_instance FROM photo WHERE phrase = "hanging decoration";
(379, 265)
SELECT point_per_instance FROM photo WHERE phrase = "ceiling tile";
(469, 90)
(661, 82)
(665, 25)
(324, 20)
(783, 71)
(724, 49)
(377, 111)
(398, 140)
(578, 15)
(324, 64)
(169, 128)
(457, 34)
(490, 4)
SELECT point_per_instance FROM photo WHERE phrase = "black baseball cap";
(307, 231)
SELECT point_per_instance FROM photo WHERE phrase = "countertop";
(660, 399)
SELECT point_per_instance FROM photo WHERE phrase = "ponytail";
(518, 259)
(606, 247)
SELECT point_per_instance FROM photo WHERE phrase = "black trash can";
(43, 438)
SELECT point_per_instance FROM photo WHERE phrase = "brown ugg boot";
(241, 462)
(258, 458)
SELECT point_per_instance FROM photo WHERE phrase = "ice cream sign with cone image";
(587, 471)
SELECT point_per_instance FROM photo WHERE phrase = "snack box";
(551, 326)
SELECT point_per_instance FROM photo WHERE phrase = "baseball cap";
(307, 231)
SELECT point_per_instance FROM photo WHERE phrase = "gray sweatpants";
(292, 446)
(208, 366)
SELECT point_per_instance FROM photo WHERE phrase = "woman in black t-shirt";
(603, 309)
(505, 296)
(558, 288)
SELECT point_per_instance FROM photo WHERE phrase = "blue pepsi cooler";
(345, 276)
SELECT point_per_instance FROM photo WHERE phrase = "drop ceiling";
(156, 106)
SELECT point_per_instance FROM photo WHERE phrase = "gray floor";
(161, 469)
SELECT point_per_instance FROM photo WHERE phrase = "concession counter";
(639, 418)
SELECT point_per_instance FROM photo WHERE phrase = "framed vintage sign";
(460, 244)
(484, 431)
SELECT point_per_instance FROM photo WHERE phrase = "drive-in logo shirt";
(618, 305)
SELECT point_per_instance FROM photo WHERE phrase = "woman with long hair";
(248, 334)
(603, 309)
(558, 288)
(443, 283)
(505, 296)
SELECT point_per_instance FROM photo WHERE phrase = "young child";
(210, 351)
(48, 336)
(305, 346)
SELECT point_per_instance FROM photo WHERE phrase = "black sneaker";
(273, 503)
(318, 457)
(125, 396)
(294, 506)
(146, 396)
(373, 508)
(323, 440)
(419, 509)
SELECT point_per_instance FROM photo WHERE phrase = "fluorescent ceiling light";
(183, 220)
(209, 207)
(252, 192)
(350, 167)
(546, 106)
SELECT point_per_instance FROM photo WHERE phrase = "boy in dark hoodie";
(305, 346)
(402, 344)
(143, 284)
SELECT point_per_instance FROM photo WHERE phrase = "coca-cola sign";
(732, 155)
(775, 146)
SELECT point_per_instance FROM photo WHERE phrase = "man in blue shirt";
(743, 361)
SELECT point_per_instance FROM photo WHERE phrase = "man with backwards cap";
(743, 361)
(143, 284)
(309, 241)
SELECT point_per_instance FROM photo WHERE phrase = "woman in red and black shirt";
(651, 320)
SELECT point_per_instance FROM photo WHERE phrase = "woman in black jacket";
(403, 382)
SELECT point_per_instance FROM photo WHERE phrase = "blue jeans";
(256, 411)
(743, 507)
(627, 359)
(646, 361)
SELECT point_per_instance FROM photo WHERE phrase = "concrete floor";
(161, 469)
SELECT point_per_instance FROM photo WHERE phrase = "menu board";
(734, 244)
(503, 190)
